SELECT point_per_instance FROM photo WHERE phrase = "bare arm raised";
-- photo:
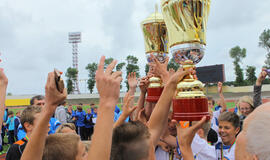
(222, 99)
(185, 138)
(3, 89)
(128, 109)
(35, 146)
(108, 85)
(160, 113)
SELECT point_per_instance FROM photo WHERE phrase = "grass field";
(16, 109)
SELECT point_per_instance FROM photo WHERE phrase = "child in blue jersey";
(80, 116)
(11, 125)
(17, 123)
(88, 125)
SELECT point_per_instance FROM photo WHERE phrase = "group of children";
(142, 132)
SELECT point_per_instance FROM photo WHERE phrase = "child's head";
(203, 132)
(67, 146)
(18, 113)
(130, 141)
(66, 128)
(10, 113)
(79, 108)
(245, 105)
(95, 109)
(29, 117)
(229, 126)
(211, 102)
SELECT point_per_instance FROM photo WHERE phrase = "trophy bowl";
(156, 43)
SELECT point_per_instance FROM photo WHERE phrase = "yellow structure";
(17, 102)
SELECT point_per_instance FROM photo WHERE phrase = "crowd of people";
(49, 129)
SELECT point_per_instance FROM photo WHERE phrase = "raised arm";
(159, 116)
(127, 108)
(222, 99)
(143, 87)
(3, 89)
(132, 83)
(36, 143)
(108, 86)
(185, 138)
(257, 92)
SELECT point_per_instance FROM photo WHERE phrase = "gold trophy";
(186, 24)
(155, 41)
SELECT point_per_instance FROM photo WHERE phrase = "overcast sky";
(34, 35)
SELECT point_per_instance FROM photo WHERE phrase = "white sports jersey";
(162, 155)
(202, 150)
(214, 121)
(228, 151)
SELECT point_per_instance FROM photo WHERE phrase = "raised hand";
(185, 137)
(141, 116)
(132, 80)
(108, 82)
(144, 82)
(128, 107)
(160, 69)
(52, 96)
(178, 76)
(171, 71)
(261, 77)
(219, 85)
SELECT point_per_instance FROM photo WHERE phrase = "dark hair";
(79, 108)
(37, 97)
(230, 117)
(10, 113)
(28, 115)
(129, 141)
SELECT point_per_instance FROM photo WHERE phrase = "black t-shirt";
(15, 150)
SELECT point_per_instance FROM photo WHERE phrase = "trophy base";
(190, 109)
(153, 94)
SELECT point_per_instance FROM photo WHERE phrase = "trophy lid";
(154, 17)
(186, 20)
(155, 34)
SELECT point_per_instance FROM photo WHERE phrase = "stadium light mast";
(74, 39)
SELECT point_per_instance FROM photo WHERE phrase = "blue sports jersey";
(116, 116)
(54, 124)
(10, 123)
(80, 118)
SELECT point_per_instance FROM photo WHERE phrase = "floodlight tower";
(75, 38)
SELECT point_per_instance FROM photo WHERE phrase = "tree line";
(238, 54)
(131, 65)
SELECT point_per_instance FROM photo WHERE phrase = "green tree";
(173, 64)
(71, 75)
(107, 62)
(132, 66)
(264, 42)
(250, 73)
(119, 67)
(146, 69)
(92, 68)
(9, 94)
(238, 54)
